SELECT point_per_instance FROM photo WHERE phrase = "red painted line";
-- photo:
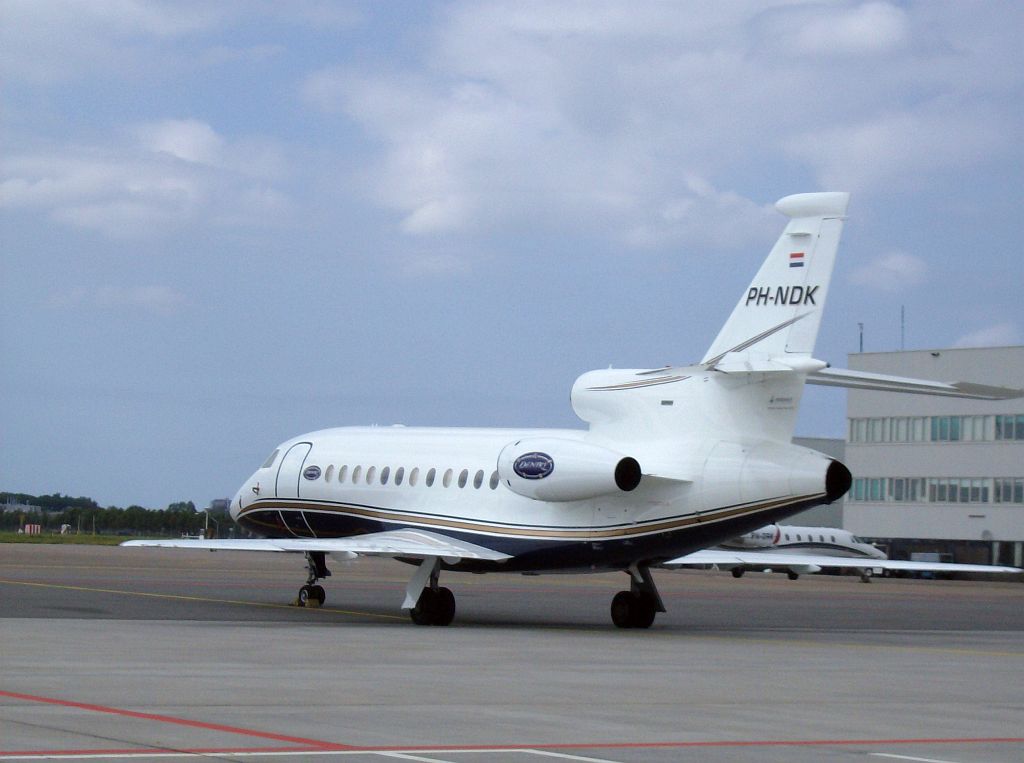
(315, 743)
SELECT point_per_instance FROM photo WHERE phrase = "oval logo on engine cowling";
(533, 466)
(311, 472)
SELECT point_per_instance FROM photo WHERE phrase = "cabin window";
(399, 475)
(787, 536)
(342, 473)
(356, 474)
(414, 477)
(329, 473)
(463, 477)
(494, 480)
(478, 479)
(430, 477)
(371, 474)
(270, 459)
(385, 473)
(447, 480)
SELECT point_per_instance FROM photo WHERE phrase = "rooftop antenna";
(903, 327)
(861, 327)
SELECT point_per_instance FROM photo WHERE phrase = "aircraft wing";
(814, 562)
(842, 377)
(404, 543)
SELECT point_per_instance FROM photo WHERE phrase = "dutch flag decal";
(796, 260)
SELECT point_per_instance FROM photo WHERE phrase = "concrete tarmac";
(162, 654)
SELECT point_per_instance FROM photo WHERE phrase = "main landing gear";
(427, 602)
(637, 607)
(311, 594)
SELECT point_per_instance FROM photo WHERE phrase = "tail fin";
(778, 315)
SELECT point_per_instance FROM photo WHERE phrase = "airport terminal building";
(935, 474)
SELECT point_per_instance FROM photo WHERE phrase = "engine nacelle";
(555, 469)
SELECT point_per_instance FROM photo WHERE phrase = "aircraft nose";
(236, 504)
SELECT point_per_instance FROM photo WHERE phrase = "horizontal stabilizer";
(841, 377)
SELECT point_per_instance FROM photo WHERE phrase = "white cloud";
(594, 116)
(155, 299)
(168, 174)
(891, 272)
(996, 335)
(901, 149)
(818, 29)
(187, 139)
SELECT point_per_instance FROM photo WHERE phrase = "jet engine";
(556, 469)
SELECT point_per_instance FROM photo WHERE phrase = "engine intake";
(556, 469)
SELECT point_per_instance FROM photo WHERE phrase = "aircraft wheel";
(622, 609)
(305, 594)
(792, 575)
(424, 613)
(737, 572)
(632, 611)
(865, 576)
(317, 592)
(444, 607)
(644, 610)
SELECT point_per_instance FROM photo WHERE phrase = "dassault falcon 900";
(674, 460)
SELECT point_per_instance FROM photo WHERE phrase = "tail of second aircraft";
(775, 323)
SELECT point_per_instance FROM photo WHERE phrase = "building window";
(1009, 427)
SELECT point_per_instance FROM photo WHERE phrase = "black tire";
(644, 610)
(305, 594)
(317, 592)
(426, 606)
(737, 572)
(622, 609)
(793, 575)
(444, 607)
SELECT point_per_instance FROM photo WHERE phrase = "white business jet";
(674, 460)
(797, 549)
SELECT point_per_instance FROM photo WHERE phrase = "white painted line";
(169, 754)
(565, 756)
(406, 756)
(908, 757)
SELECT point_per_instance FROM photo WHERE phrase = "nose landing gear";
(311, 594)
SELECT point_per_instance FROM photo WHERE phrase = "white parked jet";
(674, 460)
(762, 549)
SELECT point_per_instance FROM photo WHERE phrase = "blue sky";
(224, 224)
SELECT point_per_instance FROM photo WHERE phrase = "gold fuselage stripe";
(637, 530)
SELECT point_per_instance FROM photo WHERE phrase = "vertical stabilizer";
(778, 315)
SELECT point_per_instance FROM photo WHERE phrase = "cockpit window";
(270, 459)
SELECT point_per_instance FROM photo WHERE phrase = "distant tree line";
(86, 516)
